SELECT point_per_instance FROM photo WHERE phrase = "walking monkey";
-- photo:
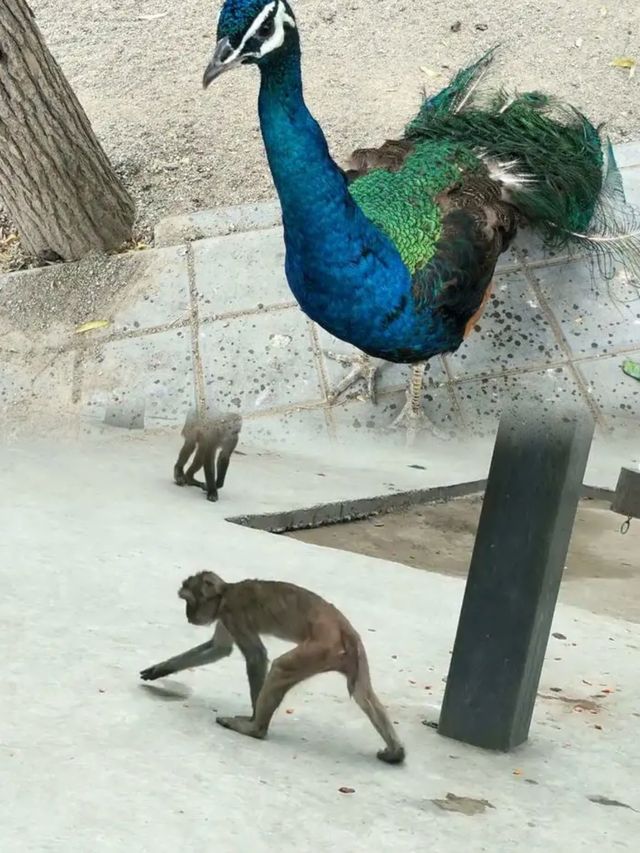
(326, 642)
(206, 434)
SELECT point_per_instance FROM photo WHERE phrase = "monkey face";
(202, 594)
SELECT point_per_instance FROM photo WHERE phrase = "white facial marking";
(277, 39)
(273, 42)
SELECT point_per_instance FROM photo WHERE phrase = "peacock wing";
(446, 216)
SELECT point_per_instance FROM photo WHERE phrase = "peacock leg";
(363, 367)
(413, 417)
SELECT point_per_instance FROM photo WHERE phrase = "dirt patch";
(463, 805)
(59, 297)
(603, 566)
(136, 66)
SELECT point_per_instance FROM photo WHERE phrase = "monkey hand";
(153, 672)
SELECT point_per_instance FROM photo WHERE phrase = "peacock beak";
(224, 59)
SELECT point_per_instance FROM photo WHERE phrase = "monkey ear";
(212, 584)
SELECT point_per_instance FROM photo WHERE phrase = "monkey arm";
(218, 647)
(255, 654)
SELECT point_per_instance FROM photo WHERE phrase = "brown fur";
(325, 642)
(206, 435)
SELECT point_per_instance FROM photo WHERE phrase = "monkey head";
(202, 594)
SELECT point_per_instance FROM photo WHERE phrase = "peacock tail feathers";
(453, 97)
(553, 164)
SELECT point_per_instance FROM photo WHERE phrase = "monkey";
(206, 435)
(326, 642)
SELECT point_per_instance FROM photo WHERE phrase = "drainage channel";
(354, 510)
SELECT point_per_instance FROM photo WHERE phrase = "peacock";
(396, 254)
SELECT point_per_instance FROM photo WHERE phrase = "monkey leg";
(257, 663)
(210, 474)
(286, 671)
(195, 466)
(372, 707)
(218, 647)
(183, 457)
(223, 462)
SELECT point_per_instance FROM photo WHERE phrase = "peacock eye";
(266, 29)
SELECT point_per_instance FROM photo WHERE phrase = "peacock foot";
(416, 421)
(413, 418)
(363, 368)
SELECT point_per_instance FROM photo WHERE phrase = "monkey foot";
(392, 756)
(242, 725)
(363, 367)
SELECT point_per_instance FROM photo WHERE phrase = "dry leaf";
(625, 62)
(8, 240)
(91, 325)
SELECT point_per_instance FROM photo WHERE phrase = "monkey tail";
(356, 665)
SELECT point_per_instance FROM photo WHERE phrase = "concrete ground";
(95, 542)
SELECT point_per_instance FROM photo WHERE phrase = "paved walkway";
(95, 542)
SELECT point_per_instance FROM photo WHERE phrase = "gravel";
(136, 66)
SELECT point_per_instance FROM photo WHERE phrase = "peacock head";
(249, 32)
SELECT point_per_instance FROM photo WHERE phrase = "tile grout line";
(562, 342)
(183, 322)
(194, 323)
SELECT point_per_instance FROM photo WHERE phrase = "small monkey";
(326, 642)
(206, 434)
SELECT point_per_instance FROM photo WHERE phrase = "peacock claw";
(413, 417)
(416, 421)
(363, 367)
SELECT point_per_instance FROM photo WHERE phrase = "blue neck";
(343, 271)
(304, 173)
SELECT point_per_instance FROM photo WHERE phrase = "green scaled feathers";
(402, 204)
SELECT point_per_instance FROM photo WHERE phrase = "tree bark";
(56, 182)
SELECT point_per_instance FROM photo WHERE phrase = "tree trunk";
(56, 182)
